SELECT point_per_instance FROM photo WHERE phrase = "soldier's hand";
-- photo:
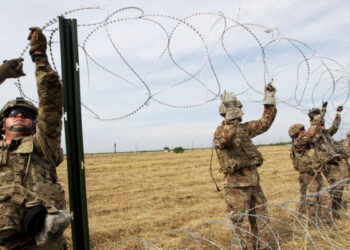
(12, 68)
(269, 97)
(270, 88)
(38, 42)
(340, 108)
(324, 104)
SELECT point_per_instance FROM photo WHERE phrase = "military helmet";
(348, 134)
(222, 109)
(294, 129)
(19, 102)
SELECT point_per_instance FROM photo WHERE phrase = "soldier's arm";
(323, 111)
(314, 131)
(335, 125)
(49, 124)
(224, 135)
(346, 148)
(258, 127)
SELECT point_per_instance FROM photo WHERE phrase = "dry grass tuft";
(147, 194)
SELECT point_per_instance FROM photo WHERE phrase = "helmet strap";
(21, 129)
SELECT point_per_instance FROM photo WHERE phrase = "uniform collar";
(21, 145)
(232, 122)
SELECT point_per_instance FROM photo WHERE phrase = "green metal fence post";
(73, 132)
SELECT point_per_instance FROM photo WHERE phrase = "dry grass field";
(147, 194)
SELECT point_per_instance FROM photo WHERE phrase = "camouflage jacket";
(336, 122)
(28, 164)
(303, 153)
(238, 156)
(346, 147)
(328, 150)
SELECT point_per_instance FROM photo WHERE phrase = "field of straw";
(170, 200)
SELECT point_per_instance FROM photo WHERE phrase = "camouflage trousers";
(333, 173)
(312, 202)
(344, 169)
(245, 206)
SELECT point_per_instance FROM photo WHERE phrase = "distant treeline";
(275, 144)
(162, 150)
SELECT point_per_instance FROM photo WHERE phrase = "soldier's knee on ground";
(10, 220)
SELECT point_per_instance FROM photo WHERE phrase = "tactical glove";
(11, 69)
(270, 92)
(340, 108)
(324, 104)
(54, 226)
(37, 40)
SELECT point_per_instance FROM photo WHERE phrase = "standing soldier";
(309, 166)
(32, 202)
(346, 149)
(346, 144)
(335, 163)
(239, 159)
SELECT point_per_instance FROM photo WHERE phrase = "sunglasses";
(26, 114)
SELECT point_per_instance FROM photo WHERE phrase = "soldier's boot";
(55, 224)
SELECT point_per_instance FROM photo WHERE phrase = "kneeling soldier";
(32, 202)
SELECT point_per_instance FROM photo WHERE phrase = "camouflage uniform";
(306, 162)
(335, 163)
(28, 165)
(239, 159)
(346, 146)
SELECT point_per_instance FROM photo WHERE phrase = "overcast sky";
(322, 25)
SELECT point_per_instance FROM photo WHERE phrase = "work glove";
(269, 97)
(37, 40)
(339, 108)
(54, 226)
(324, 104)
(11, 69)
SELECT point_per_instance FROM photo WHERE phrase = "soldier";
(309, 166)
(32, 202)
(239, 159)
(346, 144)
(335, 163)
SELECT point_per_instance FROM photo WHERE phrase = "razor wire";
(304, 231)
(338, 75)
